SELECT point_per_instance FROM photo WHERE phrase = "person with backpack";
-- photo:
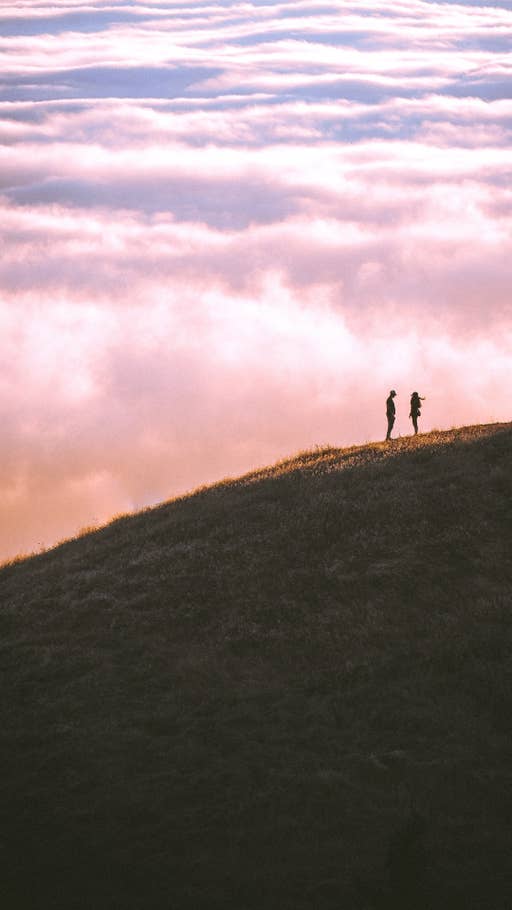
(415, 410)
(390, 412)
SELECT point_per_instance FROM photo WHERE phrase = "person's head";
(415, 395)
(392, 393)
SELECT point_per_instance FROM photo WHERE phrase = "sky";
(229, 228)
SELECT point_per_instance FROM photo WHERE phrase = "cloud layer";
(229, 229)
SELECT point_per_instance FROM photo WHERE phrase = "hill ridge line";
(343, 454)
(319, 459)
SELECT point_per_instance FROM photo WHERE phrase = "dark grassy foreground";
(284, 692)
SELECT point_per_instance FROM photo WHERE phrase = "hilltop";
(287, 691)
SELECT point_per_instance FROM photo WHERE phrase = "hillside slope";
(287, 691)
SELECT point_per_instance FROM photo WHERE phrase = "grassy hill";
(290, 691)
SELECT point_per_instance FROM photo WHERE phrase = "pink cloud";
(199, 281)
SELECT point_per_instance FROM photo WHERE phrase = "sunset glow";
(228, 229)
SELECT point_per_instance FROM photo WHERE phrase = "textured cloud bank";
(227, 231)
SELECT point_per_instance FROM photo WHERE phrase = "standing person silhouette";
(415, 410)
(390, 412)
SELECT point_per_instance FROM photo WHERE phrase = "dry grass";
(290, 690)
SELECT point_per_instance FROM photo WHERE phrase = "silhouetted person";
(390, 412)
(415, 410)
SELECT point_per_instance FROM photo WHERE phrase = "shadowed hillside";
(284, 692)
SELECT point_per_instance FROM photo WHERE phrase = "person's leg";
(391, 421)
(415, 423)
